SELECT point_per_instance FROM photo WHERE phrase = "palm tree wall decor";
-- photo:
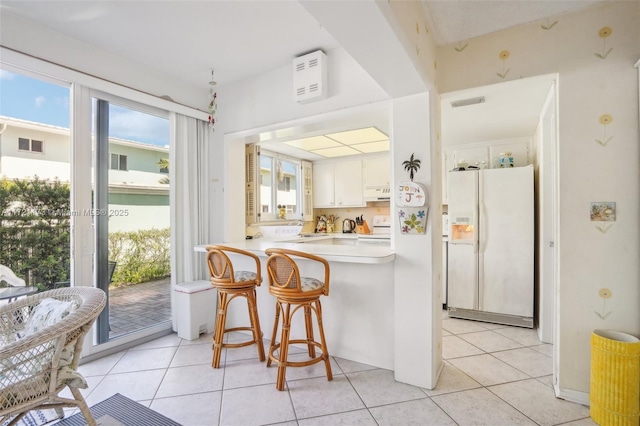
(411, 165)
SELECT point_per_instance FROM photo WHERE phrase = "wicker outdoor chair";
(40, 351)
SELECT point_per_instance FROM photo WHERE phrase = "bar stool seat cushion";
(242, 276)
(310, 284)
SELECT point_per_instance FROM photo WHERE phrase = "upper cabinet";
(376, 172)
(338, 184)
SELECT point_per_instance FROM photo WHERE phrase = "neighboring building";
(137, 198)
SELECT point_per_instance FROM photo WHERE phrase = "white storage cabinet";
(338, 184)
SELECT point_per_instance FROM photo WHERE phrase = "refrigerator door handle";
(479, 274)
(484, 224)
(482, 242)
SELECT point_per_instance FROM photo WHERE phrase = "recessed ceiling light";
(370, 147)
(350, 137)
(314, 142)
(339, 151)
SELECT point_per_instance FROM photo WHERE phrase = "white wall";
(418, 265)
(588, 88)
(266, 104)
(136, 218)
(52, 163)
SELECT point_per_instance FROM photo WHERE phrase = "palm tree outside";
(164, 165)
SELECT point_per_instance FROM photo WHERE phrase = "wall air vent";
(310, 77)
(465, 102)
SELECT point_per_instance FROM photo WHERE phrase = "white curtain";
(189, 176)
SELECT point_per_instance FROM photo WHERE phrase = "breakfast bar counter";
(342, 248)
(358, 314)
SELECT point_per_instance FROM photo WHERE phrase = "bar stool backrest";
(284, 273)
(220, 267)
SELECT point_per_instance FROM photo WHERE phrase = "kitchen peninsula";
(358, 314)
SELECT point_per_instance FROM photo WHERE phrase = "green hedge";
(35, 241)
(34, 230)
(141, 256)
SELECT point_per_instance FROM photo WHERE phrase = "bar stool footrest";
(239, 344)
(306, 363)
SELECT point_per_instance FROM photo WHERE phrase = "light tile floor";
(493, 375)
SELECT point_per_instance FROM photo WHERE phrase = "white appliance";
(491, 243)
(380, 230)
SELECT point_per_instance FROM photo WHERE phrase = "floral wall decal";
(603, 34)
(412, 220)
(549, 25)
(604, 294)
(504, 55)
(460, 47)
(605, 120)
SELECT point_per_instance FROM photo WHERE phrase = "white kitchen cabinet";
(376, 172)
(338, 184)
(323, 185)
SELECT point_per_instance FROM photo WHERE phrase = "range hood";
(377, 193)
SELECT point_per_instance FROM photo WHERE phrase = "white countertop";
(360, 252)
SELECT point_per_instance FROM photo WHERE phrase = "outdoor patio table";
(12, 293)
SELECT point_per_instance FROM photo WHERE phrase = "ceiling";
(458, 20)
(510, 110)
(186, 40)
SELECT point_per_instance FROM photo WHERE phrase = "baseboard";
(572, 395)
(493, 317)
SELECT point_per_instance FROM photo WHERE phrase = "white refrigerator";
(491, 245)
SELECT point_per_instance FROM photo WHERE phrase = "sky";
(35, 100)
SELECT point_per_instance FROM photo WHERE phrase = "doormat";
(36, 418)
(119, 410)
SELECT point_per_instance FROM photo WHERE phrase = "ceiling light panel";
(313, 143)
(339, 151)
(370, 147)
(350, 137)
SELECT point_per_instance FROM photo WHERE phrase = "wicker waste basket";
(615, 378)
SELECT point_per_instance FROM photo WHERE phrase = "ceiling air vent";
(465, 102)
(310, 77)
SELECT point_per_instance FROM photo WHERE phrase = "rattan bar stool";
(293, 292)
(232, 284)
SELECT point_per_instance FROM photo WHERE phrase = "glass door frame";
(83, 88)
(100, 170)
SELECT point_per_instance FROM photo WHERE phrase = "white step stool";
(195, 308)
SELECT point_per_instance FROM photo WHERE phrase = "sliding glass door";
(35, 178)
(130, 214)
(84, 195)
